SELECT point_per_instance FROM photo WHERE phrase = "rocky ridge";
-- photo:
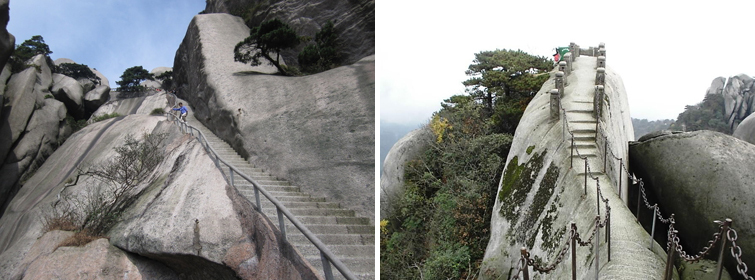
(353, 20)
(315, 131)
(739, 97)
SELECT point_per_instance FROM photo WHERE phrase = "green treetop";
(270, 36)
(132, 77)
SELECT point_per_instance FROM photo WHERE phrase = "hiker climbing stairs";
(349, 237)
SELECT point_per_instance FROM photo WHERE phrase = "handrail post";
(621, 167)
(608, 231)
(669, 273)
(597, 246)
(652, 229)
(230, 172)
(257, 197)
(525, 270)
(605, 152)
(326, 267)
(726, 224)
(573, 251)
(639, 196)
(560, 82)
(571, 164)
(597, 194)
(281, 222)
(585, 176)
(555, 105)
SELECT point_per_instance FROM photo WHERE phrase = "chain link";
(741, 266)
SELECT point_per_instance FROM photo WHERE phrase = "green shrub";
(105, 117)
(95, 212)
(158, 112)
(48, 96)
(75, 125)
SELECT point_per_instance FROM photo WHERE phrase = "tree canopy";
(166, 78)
(270, 36)
(78, 71)
(706, 115)
(28, 49)
(439, 227)
(132, 77)
(324, 54)
(505, 73)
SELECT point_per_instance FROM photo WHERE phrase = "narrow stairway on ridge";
(578, 104)
(350, 238)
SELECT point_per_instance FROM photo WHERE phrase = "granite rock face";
(701, 177)
(541, 193)
(746, 129)
(392, 179)
(739, 97)
(156, 72)
(316, 131)
(199, 230)
(31, 127)
(353, 20)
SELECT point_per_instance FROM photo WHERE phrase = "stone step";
(318, 229)
(303, 204)
(328, 239)
(362, 268)
(343, 251)
(271, 212)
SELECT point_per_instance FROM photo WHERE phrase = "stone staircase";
(350, 238)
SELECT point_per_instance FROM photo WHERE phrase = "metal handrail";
(326, 255)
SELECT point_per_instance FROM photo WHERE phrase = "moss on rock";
(516, 184)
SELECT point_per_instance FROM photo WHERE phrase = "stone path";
(630, 256)
(350, 238)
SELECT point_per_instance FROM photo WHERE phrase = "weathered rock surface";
(392, 179)
(156, 72)
(96, 98)
(739, 97)
(143, 105)
(186, 217)
(316, 131)
(702, 270)
(70, 92)
(353, 20)
(7, 41)
(18, 109)
(98, 259)
(540, 194)
(701, 176)
(746, 129)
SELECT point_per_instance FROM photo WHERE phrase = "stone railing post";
(601, 62)
(574, 48)
(560, 82)
(597, 103)
(555, 104)
(563, 67)
(600, 76)
(569, 60)
(602, 52)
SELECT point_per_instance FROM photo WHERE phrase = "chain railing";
(326, 256)
(574, 240)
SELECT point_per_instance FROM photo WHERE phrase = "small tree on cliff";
(28, 49)
(270, 36)
(132, 77)
(78, 71)
(324, 53)
(505, 81)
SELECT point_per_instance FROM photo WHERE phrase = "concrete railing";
(326, 256)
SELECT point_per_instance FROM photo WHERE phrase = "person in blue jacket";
(183, 110)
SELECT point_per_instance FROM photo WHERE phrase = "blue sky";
(667, 52)
(108, 35)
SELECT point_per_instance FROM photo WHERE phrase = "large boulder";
(86, 83)
(156, 72)
(746, 129)
(392, 180)
(316, 131)
(739, 97)
(204, 229)
(70, 92)
(143, 105)
(19, 107)
(7, 41)
(701, 176)
(95, 98)
(354, 20)
(98, 259)
(540, 193)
